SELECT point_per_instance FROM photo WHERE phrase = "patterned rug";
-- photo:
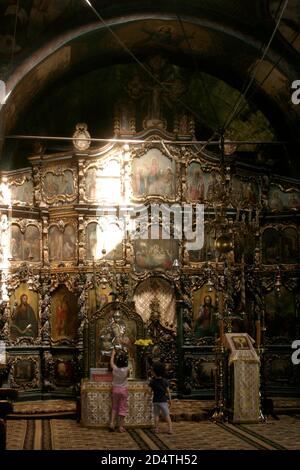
(46, 434)
(181, 410)
(191, 410)
(44, 408)
(186, 410)
(59, 434)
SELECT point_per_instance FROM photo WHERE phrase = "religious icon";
(279, 200)
(51, 184)
(31, 243)
(91, 241)
(62, 244)
(215, 188)
(240, 342)
(195, 182)
(91, 183)
(62, 184)
(55, 244)
(205, 322)
(69, 243)
(22, 193)
(25, 246)
(154, 174)
(281, 313)
(63, 371)
(208, 250)
(250, 193)
(24, 321)
(63, 315)
(24, 370)
(114, 335)
(98, 297)
(16, 243)
(271, 246)
(289, 246)
(114, 330)
(293, 200)
(155, 254)
(67, 183)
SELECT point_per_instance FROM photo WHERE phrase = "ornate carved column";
(46, 310)
(81, 241)
(180, 339)
(36, 174)
(4, 321)
(82, 322)
(81, 185)
(45, 241)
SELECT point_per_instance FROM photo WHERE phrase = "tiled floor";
(59, 434)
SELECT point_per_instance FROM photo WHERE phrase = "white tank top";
(120, 376)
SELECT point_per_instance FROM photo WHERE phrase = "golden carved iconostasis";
(68, 243)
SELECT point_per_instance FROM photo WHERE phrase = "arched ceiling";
(290, 24)
(57, 42)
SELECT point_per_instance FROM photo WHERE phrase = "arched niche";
(101, 332)
(156, 293)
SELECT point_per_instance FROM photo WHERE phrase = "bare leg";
(113, 419)
(156, 422)
(168, 420)
(121, 423)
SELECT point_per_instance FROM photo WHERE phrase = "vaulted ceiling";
(62, 64)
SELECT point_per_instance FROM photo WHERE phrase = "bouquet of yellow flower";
(142, 346)
(144, 343)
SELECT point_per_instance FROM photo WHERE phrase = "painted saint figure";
(24, 322)
(153, 176)
(91, 183)
(67, 183)
(61, 318)
(196, 186)
(205, 324)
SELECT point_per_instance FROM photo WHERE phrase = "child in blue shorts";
(161, 396)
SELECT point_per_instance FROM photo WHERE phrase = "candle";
(258, 333)
(221, 328)
(243, 284)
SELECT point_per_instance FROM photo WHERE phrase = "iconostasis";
(77, 233)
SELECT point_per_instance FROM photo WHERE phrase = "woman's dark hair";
(122, 360)
(158, 369)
